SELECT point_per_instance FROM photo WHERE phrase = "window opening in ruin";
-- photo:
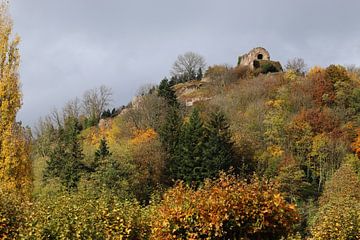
(260, 56)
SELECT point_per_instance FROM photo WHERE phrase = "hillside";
(234, 153)
(293, 129)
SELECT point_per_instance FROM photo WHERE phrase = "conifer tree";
(101, 153)
(218, 150)
(170, 130)
(167, 93)
(188, 161)
(65, 160)
(15, 164)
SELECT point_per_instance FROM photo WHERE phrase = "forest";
(210, 152)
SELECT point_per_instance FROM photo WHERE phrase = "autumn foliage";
(15, 166)
(226, 208)
(339, 213)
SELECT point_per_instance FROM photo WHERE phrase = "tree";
(101, 153)
(15, 165)
(218, 151)
(65, 160)
(297, 65)
(149, 111)
(188, 162)
(199, 74)
(339, 213)
(165, 90)
(187, 65)
(170, 131)
(95, 101)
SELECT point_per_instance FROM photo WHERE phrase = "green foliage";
(218, 151)
(199, 151)
(188, 162)
(110, 174)
(267, 66)
(167, 92)
(84, 216)
(170, 131)
(293, 183)
(339, 212)
(65, 159)
(101, 153)
(199, 74)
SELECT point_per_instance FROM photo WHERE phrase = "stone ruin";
(257, 58)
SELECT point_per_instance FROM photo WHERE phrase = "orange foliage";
(142, 136)
(106, 129)
(323, 89)
(224, 209)
(320, 120)
(356, 144)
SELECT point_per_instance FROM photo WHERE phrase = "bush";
(11, 215)
(84, 216)
(339, 212)
(224, 209)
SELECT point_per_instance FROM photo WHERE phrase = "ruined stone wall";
(258, 53)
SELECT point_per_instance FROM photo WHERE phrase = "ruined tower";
(256, 58)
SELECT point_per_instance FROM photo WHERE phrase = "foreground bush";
(224, 209)
(339, 211)
(11, 215)
(79, 216)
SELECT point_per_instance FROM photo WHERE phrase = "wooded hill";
(211, 153)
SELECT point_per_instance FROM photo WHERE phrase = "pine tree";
(170, 130)
(218, 153)
(188, 158)
(65, 161)
(167, 93)
(15, 164)
(101, 153)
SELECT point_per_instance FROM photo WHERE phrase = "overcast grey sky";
(69, 46)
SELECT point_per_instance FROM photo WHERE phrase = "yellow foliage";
(315, 71)
(291, 75)
(356, 144)
(14, 154)
(142, 136)
(277, 103)
(275, 151)
(107, 129)
(226, 208)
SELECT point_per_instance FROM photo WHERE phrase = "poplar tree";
(15, 165)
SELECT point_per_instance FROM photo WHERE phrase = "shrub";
(83, 216)
(339, 212)
(226, 208)
(11, 215)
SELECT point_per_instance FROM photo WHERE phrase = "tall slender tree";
(15, 165)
